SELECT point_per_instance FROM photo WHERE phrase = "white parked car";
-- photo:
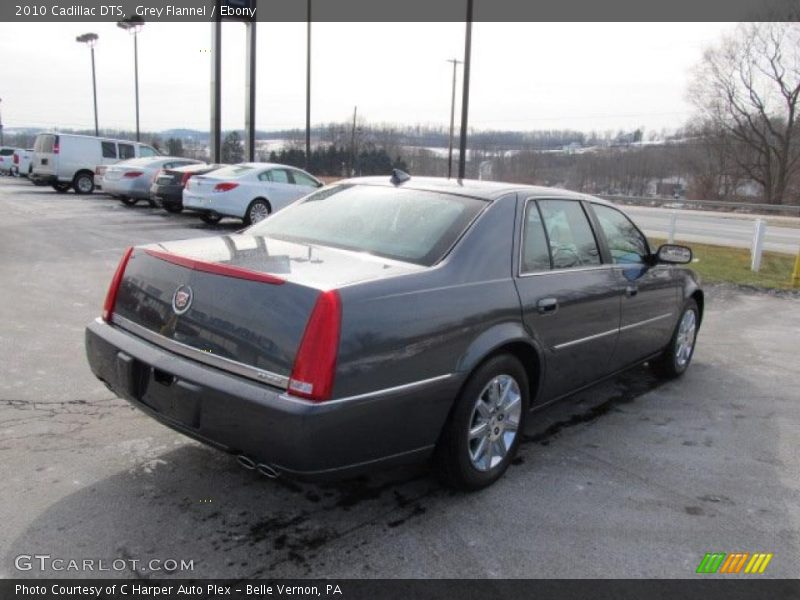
(6, 159)
(21, 162)
(65, 161)
(247, 191)
(130, 180)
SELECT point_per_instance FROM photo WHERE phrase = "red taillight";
(16, 159)
(133, 174)
(185, 178)
(56, 147)
(225, 187)
(315, 365)
(111, 296)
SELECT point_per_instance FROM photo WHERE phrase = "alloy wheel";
(494, 422)
(684, 343)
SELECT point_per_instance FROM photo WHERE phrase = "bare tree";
(749, 86)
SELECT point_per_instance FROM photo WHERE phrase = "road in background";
(720, 229)
(632, 478)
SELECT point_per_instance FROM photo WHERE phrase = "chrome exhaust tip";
(267, 471)
(247, 462)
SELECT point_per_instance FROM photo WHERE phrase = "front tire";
(211, 218)
(483, 432)
(128, 201)
(676, 357)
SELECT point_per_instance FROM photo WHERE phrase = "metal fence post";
(758, 245)
(673, 220)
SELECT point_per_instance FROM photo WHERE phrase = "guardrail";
(717, 205)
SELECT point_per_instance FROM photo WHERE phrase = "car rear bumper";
(43, 178)
(243, 417)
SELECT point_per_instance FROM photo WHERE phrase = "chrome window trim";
(226, 364)
(521, 273)
(377, 393)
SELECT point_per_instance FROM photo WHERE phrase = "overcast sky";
(524, 75)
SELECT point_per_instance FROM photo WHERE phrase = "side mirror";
(674, 254)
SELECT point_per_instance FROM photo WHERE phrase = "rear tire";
(83, 183)
(258, 210)
(677, 356)
(211, 219)
(485, 426)
(128, 201)
(62, 188)
(173, 208)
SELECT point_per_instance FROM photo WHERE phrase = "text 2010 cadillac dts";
(381, 321)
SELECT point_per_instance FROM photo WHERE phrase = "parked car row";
(132, 171)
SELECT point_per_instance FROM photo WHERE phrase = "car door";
(570, 299)
(280, 189)
(649, 291)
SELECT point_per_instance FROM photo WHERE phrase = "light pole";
(90, 39)
(452, 118)
(462, 158)
(1, 125)
(134, 25)
(308, 86)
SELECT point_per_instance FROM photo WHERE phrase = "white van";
(65, 161)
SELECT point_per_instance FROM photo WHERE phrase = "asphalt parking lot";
(633, 478)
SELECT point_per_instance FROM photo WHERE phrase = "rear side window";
(625, 242)
(569, 234)
(126, 151)
(146, 151)
(535, 255)
(278, 176)
(109, 150)
(401, 224)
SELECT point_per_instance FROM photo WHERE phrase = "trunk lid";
(249, 298)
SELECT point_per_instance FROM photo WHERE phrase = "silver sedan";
(130, 180)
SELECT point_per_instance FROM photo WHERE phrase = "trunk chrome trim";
(225, 364)
(376, 393)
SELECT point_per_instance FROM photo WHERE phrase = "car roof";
(484, 190)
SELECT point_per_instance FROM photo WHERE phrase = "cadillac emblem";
(182, 299)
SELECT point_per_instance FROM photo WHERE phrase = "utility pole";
(455, 62)
(134, 25)
(462, 158)
(1, 126)
(353, 143)
(308, 85)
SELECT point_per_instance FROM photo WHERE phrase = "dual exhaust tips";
(262, 468)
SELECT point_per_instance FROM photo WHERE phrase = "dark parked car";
(167, 188)
(381, 321)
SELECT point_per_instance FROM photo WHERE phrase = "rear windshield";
(407, 225)
(44, 143)
(232, 172)
(6, 151)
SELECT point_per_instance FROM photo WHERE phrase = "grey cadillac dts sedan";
(385, 320)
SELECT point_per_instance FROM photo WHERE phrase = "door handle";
(631, 291)
(547, 305)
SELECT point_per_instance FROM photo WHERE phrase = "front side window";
(572, 242)
(303, 179)
(625, 241)
(407, 225)
(126, 151)
(535, 255)
(109, 149)
(147, 151)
